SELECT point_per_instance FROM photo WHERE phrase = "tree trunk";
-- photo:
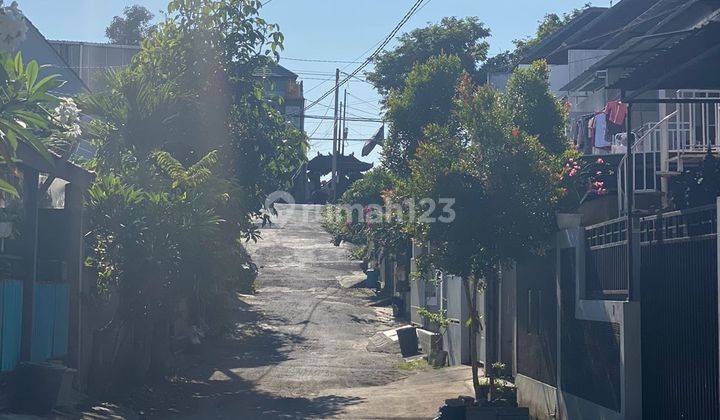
(471, 296)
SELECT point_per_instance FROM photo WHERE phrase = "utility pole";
(343, 133)
(336, 137)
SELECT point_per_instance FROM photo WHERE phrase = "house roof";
(57, 166)
(596, 32)
(94, 44)
(657, 48)
(37, 47)
(555, 40)
(664, 16)
(275, 71)
(690, 61)
(347, 163)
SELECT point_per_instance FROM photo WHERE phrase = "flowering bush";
(581, 178)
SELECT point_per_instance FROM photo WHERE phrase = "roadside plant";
(25, 109)
(188, 149)
(427, 97)
(503, 181)
(697, 186)
(582, 178)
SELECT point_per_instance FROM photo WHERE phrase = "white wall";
(559, 76)
(581, 60)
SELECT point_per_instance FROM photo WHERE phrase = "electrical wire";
(314, 60)
(368, 103)
(327, 111)
(378, 50)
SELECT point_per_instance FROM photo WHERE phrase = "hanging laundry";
(583, 139)
(616, 112)
(600, 128)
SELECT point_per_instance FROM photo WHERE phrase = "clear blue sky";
(320, 29)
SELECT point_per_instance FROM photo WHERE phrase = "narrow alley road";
(300, 351)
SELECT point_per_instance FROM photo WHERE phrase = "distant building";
(37, 47)
(90, 60)
(280, 82)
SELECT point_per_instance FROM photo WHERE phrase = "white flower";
(13, 28)
(74, 132)
(67, 112)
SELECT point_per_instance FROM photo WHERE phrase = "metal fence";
(606, 260)
(679, 315)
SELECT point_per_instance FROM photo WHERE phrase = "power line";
(325, 139)
(314, 60)
(325, 117)
(365, 102)
(320, 123)
(383, 44)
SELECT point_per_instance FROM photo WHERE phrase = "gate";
(679, 295)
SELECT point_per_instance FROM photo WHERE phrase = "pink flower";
(600, 161)
(573, 172)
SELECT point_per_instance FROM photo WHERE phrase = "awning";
(628, 57)
(690, 63)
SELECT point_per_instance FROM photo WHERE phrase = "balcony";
(681, 139)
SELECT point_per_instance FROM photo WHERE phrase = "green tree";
(193, 150)
(503, 184)
(506, 62)
(132, 27)
(463, 38)
(534, 109)
(427, 97)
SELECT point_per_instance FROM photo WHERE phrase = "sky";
(343, 30)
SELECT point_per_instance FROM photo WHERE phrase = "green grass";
(418, 364)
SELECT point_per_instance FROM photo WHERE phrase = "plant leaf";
(8, 188)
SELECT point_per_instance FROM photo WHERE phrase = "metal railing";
(687, 129)
(606, 260)
(683, 225)
(606, 245)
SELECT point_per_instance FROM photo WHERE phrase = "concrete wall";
(499, 80)
(581, 60)
(627, 315)
(506, 333)
(545, 401)
(456, 338)
(540, 398)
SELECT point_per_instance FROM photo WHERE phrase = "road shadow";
(203, 383)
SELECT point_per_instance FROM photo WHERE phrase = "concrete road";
(300, 351)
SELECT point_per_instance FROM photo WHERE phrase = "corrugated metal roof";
(654, 54)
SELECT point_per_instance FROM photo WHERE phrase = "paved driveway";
(300, 350)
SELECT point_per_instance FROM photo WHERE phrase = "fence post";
(717, 269)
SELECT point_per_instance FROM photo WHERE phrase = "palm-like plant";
(24, 109)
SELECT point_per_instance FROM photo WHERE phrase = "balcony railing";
(663, 149)
(606, 260)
